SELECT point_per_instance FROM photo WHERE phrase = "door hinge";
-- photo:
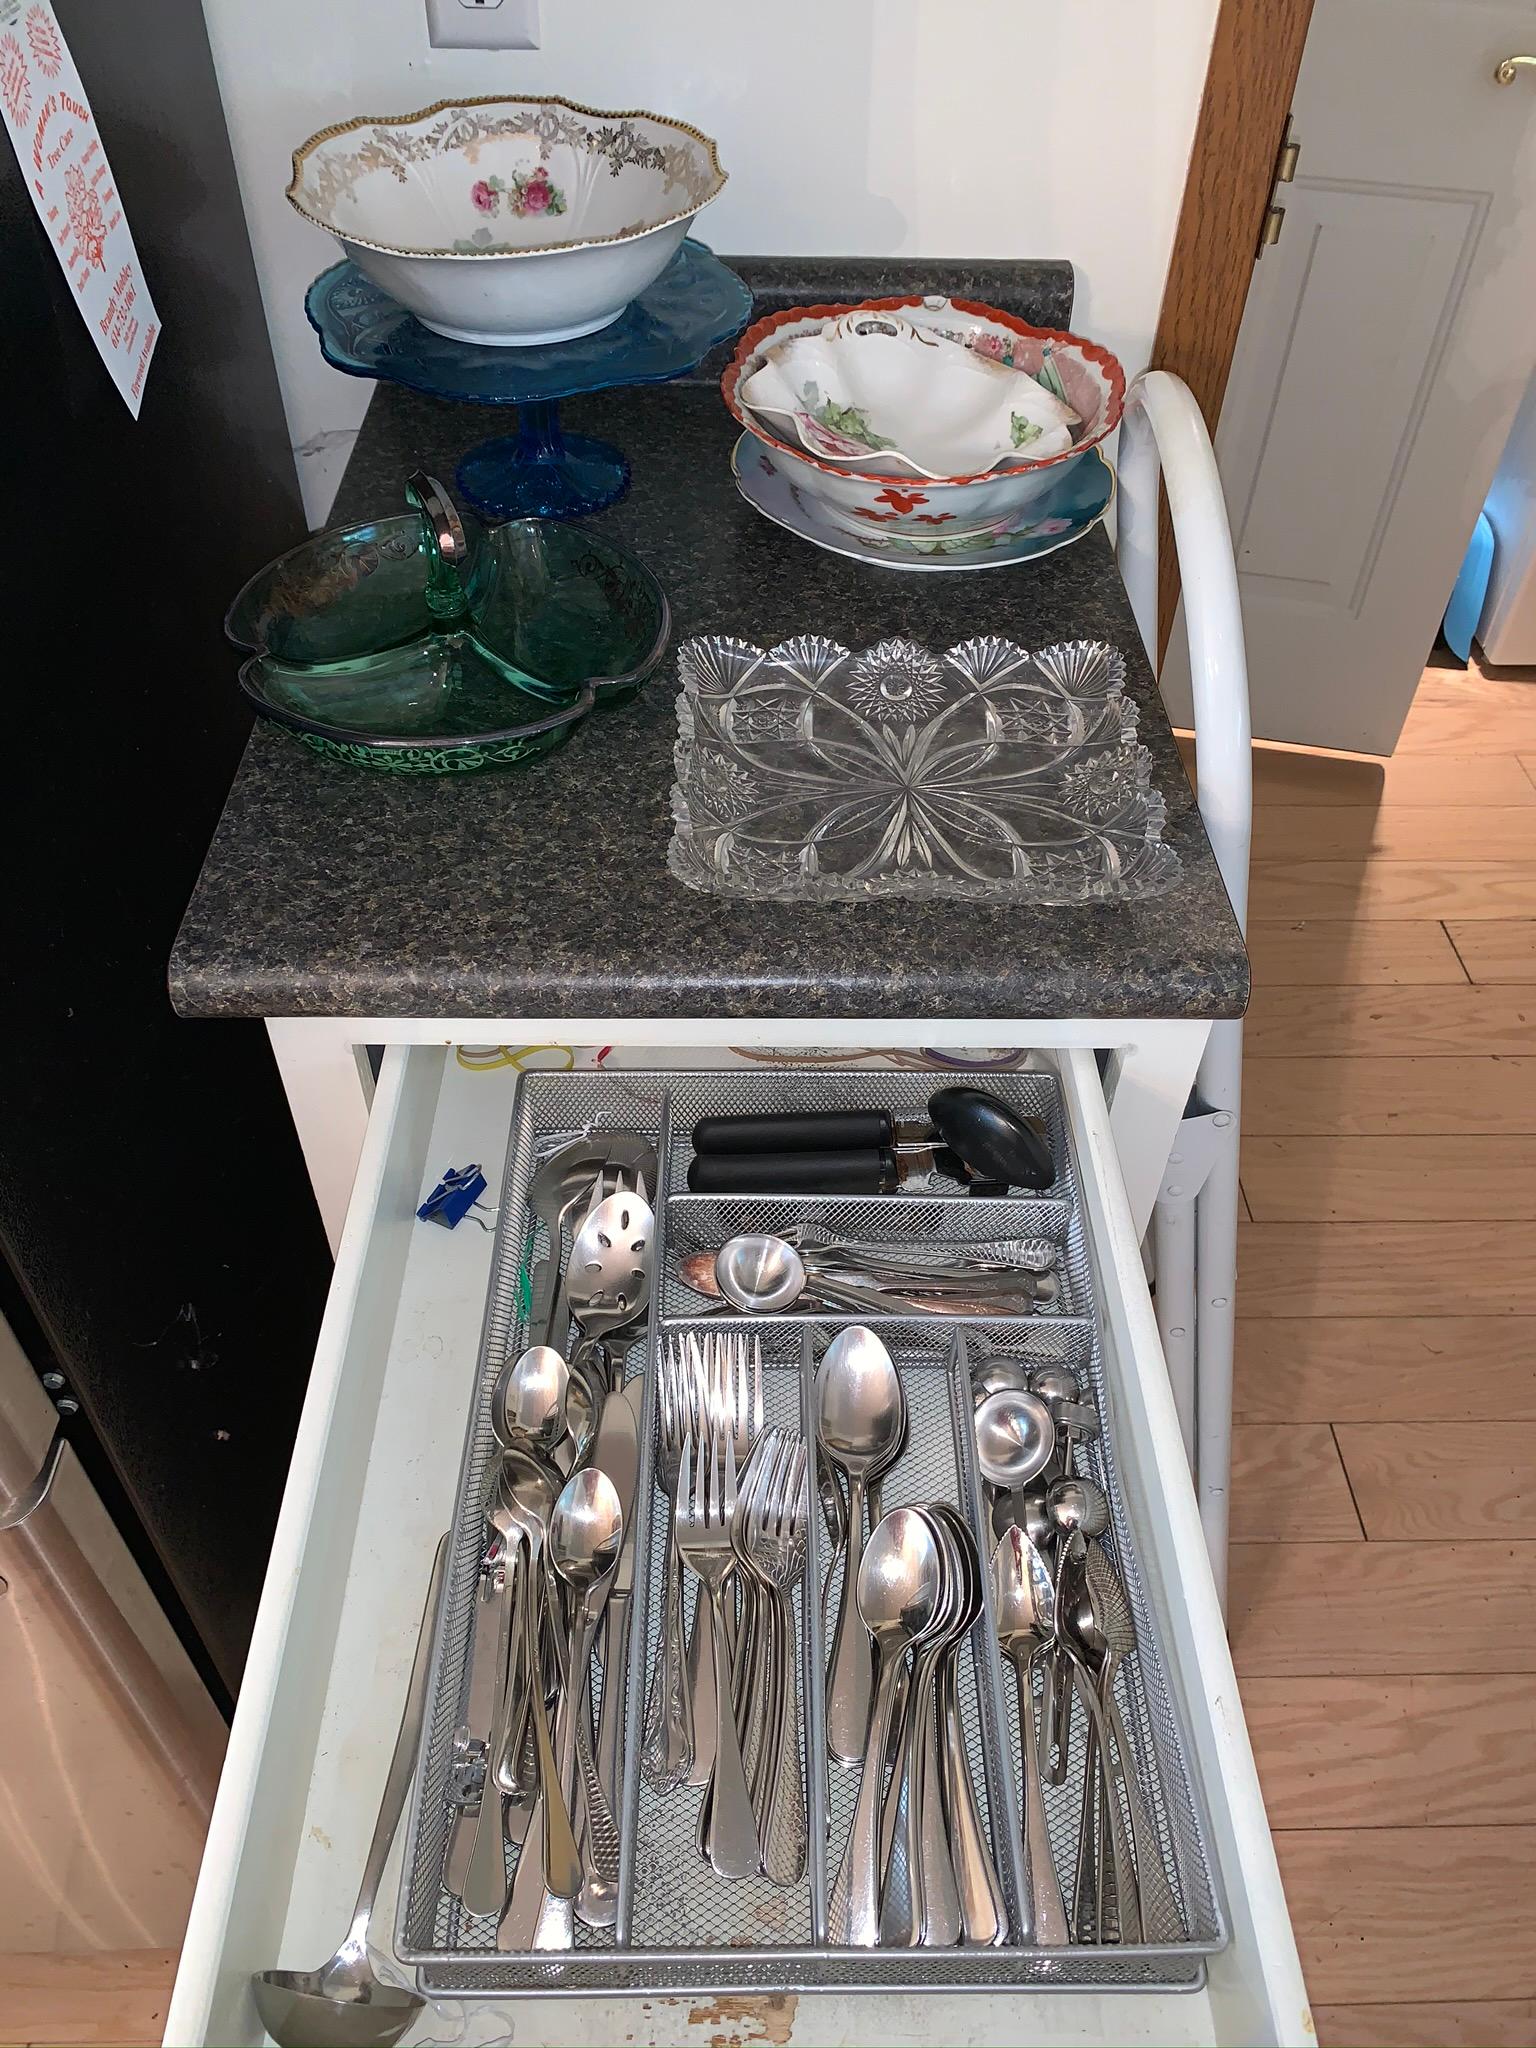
(1285, 171)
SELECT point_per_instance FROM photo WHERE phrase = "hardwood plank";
(1363, 1269)
(1385, 1368)
(1288, 1485)
(1424, 1751)
(1442, 724)
(105, 1995)
(1299, 775)
(1450, 1479)
(1325, 951)
(1413, 1912)
(1393, 889)
(1391, 1023)
(1467, 1096)
(1398, 832)
(1507, 689)
(1475, 2023)
(1243, 1209)
(1335, 1608)
(1502, 949)
(1389, 1180)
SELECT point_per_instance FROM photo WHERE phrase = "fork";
(771, 1538)
(669, 1720)
(702, 1518)
(718, 1396)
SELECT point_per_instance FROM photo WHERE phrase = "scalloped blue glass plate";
(669, 329)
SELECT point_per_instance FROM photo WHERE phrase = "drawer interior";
(680, 1928)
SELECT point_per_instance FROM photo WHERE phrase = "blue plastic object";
(453, 1197)
(1471, 589)
(539, 472)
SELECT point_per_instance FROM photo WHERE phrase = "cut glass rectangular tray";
(809, 771)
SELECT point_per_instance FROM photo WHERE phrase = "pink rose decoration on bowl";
(1052, 526)
(988, 345)
(484, 195)
(536, 192)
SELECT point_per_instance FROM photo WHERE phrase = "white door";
(1386, 344)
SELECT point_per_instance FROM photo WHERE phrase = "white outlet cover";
(483, 24)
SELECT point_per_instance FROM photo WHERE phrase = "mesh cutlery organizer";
(681, 1928)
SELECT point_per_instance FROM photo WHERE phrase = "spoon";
(1079, 1509)
(531, 1407)
(899, 1588)
(343, 2004)
(983, 1911)
(931, 1913)
(540, 1912)
(528, 1401)
(608, 1281)
(586, 1533)
(1015, 1437)
(861, 1412)
(530, 1489)
(1107, 1630)
(529, 1414)
(1024, 1601)
(768, 1276)
(1025, 1508)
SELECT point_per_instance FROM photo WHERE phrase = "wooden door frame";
(1255, 56)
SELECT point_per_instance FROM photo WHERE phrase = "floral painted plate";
(1071, 508)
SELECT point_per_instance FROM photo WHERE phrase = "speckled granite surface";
(544, 892)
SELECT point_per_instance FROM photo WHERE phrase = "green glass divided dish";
(351, 657)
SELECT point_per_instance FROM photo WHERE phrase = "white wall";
(862, 127)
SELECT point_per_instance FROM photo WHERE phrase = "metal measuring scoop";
(343, 2004)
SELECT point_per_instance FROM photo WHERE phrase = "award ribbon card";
(53, 132)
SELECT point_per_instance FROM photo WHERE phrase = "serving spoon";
(343, 2004)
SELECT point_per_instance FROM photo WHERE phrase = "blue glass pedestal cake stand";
(540, 471)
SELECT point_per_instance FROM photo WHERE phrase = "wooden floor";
(1383, 1607)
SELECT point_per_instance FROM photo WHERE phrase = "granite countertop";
(544, 891)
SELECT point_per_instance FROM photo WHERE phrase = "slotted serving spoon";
(608, 1280)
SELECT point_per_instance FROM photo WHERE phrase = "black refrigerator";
(161, 1258)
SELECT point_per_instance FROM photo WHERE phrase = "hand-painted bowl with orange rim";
(977, 506)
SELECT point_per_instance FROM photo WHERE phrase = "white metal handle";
(1163, 427)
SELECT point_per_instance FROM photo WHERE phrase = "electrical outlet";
(483, 24)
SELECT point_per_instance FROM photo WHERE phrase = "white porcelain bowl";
(508, 221)
(876, 391)
(968, 505)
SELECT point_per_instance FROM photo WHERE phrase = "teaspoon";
(861, 1411)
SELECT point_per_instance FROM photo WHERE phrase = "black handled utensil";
(876, 1172)
(991, 1138)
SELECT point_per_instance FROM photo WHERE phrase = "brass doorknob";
(1504, 74)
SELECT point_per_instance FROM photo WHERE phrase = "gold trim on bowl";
(499, 99)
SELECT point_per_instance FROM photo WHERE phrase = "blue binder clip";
(454, 1196)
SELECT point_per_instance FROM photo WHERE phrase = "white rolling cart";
(1154, 1139)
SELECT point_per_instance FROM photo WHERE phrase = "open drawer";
(370, 1490)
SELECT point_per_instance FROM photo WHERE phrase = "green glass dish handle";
(444, 545)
